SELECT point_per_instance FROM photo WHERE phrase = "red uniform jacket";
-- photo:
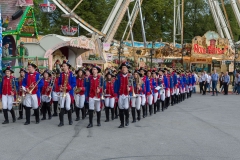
(46, 84)
(80, 84)
(124, 85)
(110, 89)
(7, 87)
(94, 85)
(31, 79)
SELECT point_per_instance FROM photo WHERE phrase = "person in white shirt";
(200, 83)
(208, 82)
(196, 81)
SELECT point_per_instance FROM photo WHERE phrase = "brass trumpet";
(32, 88)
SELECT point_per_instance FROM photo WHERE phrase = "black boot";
(55, 106)
(77, 114)
(139, 115)
(36, 113)
(112, 113)
(44, 110)
(127, 117)
(70, 117)
(49, 110)
(172, 100)
(163, 105)
(99, 117)
(158, 105)
(190, 94)
(155, 107)
(116, 112)
(90, 113)
(87, 109)
(83, 112)
(150, 109)
(20, 112)
(107, 114)
(28, 114)
(13, 115)
(62, 111)
(134, 114)
(143, 109)
(176, 99)
(5, 112)
(121, 115)
(146, 110)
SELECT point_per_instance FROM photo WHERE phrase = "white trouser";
(155, 97)
(173, 91)
(55, 96)
(45, 98)
(79, 100)
(163, 95)
(123, 102)
(177, 91)
(187, 88)
(143, 102)
(67, 98)
(31, 100)
(190, 87)
(150, 99)
(7, 101)
(183, 90)
(109, 102)
(94, 104)
(136, 102)
(168, 93)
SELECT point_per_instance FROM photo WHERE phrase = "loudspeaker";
(17, 14)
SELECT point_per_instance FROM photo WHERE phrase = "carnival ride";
(120, 8)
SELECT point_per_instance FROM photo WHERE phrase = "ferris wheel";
(111, 25)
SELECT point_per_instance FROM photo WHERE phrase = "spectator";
(235, 84)
(5, 51)
(21, 51)
(226, 82)
(221, 78)
(238, 80)
(214, 80)
(208, 81)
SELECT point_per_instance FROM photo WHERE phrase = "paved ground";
(200, 128)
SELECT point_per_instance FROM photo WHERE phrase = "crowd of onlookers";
(217, 83)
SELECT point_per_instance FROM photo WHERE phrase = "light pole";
(120, 51)
(234, 63)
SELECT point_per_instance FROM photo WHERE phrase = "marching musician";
(7, 93)
(80, 93)
(55, 92)
(21, 92)
(155, 92)
(45, 94)
(110, 95)
(86, 104)
(167, 88)
(172, 88)
(150, 91)
(136, 101)
(66, 82)
(162, 92)
(123, 89)
(95, 90)
(143, 95)
(32, 84)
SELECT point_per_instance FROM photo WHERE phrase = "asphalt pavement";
(200, 128)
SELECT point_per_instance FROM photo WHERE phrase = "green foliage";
(157, 14)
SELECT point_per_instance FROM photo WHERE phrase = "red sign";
(209, 50)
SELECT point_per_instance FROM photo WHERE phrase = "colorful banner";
(0, 37)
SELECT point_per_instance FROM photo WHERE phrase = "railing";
(6, 61)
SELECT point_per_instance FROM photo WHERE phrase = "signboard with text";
(211, 45)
